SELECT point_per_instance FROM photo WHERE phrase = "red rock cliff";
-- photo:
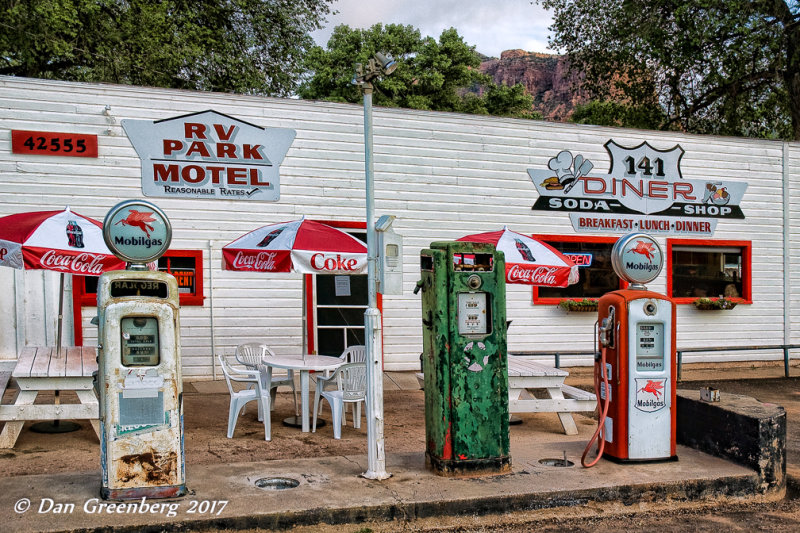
(543, 75)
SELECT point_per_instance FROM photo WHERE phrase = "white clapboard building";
(726, 212)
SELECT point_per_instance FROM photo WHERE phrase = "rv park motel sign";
(209, 155)
(642, 191)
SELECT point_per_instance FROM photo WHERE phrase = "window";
(185, 265)
(593, 257)
(701, 268)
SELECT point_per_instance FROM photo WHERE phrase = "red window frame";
(83, 298)
(549, 239)
(747, 275)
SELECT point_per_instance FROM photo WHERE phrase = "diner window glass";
(593, 257)
(708, 269)
(185, 265)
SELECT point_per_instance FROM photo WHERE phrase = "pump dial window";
(139, 342)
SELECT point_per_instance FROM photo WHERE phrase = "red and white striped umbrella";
(529, 261)
(303, 246)
(63, 241)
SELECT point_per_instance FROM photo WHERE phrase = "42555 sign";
(53, 143)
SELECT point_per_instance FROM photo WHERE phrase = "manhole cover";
(556, 462)
(276, 483)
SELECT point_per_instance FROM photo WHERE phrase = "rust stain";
(151, 468)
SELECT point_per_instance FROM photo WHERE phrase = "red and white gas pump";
(635, 369)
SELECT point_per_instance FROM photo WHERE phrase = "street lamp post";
(376, 453)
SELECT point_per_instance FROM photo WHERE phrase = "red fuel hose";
(602, 412)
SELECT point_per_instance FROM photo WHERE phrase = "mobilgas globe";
(637, 258)
(137, 231)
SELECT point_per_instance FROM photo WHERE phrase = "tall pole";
(376, 453)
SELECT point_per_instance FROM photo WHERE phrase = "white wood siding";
(444, 175)
(792, 166)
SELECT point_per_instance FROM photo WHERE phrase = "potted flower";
(712, 304)
(586, 305)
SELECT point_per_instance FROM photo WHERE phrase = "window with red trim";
(185, 265)
(592, 254)
(698, 268)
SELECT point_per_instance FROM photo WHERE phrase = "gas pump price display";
(650, 347)
(139, 341)
(472, 313)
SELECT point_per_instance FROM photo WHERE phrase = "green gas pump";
(464, 358)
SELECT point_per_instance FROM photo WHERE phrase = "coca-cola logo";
(339, 263)
(259, 261)
(540, 275)
(84, 263)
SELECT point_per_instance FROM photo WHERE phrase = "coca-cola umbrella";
(529, 261)
(303, 246)
(61, 241)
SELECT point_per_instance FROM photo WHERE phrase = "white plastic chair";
(240, 398)
(252, 355)
(353, 380)
(353, 354)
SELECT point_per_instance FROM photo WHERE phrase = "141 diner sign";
(209, 155)
(642, 191)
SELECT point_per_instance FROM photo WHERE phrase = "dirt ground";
(205, 422)
(205, 427)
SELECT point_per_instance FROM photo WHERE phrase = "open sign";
(580, 259)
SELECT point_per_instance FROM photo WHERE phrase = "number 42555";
(52, 143)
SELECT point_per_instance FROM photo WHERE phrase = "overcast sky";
(490, 25)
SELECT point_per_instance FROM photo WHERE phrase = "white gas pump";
(635, 368)
(139, 367)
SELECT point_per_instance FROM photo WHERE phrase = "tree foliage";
(245, 46)
(438, 75)
(728, 67)
(610, 113)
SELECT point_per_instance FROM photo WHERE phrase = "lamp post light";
(376, 453)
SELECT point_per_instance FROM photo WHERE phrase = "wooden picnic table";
(525, 374)
(42, 368)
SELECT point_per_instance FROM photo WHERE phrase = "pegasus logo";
(653, 387)
(644, 248)
(140, 220)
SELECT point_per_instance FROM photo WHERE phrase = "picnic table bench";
(43, 368)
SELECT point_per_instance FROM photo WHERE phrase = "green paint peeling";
(466, 374)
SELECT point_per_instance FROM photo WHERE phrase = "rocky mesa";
(544, 77)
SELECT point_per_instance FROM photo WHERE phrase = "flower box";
(714, 304)
(579, 306)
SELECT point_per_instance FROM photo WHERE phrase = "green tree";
(244, 46)
(610, 113)
(438, 75)
(728, 67)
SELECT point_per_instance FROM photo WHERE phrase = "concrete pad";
(400, 381)
(330, 490)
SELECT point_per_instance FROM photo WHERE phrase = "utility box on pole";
(464, 358)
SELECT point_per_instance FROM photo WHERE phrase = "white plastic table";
(317, 363)
(42, 368)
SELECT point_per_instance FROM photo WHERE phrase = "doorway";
(335, 305)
